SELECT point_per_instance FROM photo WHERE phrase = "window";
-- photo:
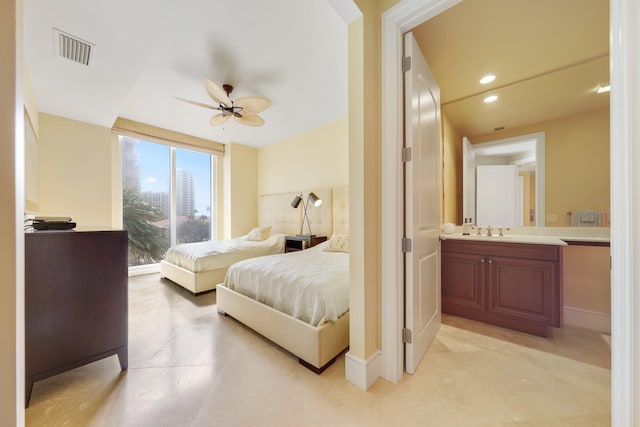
(193, 196)
(167, 198)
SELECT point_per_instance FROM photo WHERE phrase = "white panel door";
(422, 206)
(468, 181)
(497, 195)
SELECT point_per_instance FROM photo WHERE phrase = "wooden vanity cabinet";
(513, 285)
(463, 281)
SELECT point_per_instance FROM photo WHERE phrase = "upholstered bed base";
(195, 282)
(316, 347)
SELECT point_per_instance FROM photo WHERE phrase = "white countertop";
(535, 240)
(536, 235)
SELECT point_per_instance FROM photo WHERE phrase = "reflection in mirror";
(549, 59)
(507, 179)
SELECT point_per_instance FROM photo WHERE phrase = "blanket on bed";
(310, 285)
(204, 256)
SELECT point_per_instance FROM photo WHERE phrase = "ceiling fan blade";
(199, 104)
(219, 119)
(252, 104)
(249, 119)
(216, 92)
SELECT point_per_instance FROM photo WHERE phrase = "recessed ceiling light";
(487, 79)
(602, 89)
(490, 98)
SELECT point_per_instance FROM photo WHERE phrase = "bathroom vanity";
(505, 282)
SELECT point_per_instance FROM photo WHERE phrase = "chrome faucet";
(479, 231)
(489, 231)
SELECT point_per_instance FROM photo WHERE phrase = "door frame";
(625, 237)
(403, 17)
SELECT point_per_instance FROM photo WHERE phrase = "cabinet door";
(463, 282)
(524, 289)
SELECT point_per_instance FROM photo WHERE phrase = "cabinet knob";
(490, 261)
(482, 260)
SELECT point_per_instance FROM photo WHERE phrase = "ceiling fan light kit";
(244, 110)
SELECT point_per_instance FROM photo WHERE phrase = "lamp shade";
(315, 200)
(296, 201)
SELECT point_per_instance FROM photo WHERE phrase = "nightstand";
(298, 243)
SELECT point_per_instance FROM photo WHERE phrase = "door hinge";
(406, 244)
(406, 336)
(406, 154)
(406, 64)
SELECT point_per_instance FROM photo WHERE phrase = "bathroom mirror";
(549, 59)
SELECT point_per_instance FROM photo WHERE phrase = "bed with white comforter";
(202, 256)
(299, 300)
(310, 285)
(200, 266)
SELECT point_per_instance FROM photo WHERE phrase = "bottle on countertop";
(466, 227)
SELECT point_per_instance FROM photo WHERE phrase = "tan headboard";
(276, 210)
(341, 210)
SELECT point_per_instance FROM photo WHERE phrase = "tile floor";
(189, 366)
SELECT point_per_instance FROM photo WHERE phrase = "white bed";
(200, 266)
(275, 211)
(311, 321)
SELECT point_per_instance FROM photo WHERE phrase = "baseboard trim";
(139, 270)
(363, 373)
(587, 319)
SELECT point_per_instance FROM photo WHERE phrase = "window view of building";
(156, 216)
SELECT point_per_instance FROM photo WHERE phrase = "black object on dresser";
(298, 243)
(76, 302)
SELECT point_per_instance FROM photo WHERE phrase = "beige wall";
(365, 178)
(30, 103)
(318, 158)
(240, 189)
(587, 278)
(528, 197)
(357, 325)
(76, 171)
(451, 173)
(31, 145)
(577, 161)
(11, 208)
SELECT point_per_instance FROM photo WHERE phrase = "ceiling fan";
(244, 110)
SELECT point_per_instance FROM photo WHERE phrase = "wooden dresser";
(75, 301)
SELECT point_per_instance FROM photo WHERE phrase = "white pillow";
(338, 243)
(259, 233)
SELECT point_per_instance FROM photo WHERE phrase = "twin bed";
(298, 300)
(200, 266)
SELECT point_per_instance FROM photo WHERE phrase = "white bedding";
(205, 256)
(310, 285)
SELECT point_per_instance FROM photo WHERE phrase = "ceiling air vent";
(71, 47)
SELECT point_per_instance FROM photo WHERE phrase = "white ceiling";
(148, 52)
